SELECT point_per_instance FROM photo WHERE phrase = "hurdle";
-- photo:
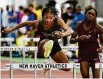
(101, 60)
(35, 40)
(35, 55)
(29, 39)
(10, 40)
(67, 65)
(17, 49)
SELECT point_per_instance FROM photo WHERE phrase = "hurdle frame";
(35, 54)
(11, 68)
(100, 66)
(10, 40)
(29, 39)
(69, 65)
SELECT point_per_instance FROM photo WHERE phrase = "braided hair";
(52, 10)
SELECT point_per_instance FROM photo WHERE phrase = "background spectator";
(20, 14)
(67, 17)
(78, 16)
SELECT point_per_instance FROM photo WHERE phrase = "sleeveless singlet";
(88, 49)
(47, 33)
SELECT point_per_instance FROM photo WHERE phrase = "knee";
(85, 75)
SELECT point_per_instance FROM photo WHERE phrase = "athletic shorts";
(93, 58)
(56, 48)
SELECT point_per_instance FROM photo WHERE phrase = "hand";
(6, 30)
(58, 34)
(99, 50)
(82, 37)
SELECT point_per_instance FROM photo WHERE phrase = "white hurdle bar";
(19, 49)
(7, 39)
(34, 39)
(49, 65)
(62, 65)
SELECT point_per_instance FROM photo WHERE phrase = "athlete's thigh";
(41, 48)
(84, 68)
(60, 57)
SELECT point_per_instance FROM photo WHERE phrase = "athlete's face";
(90, 15)
(48, 17)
